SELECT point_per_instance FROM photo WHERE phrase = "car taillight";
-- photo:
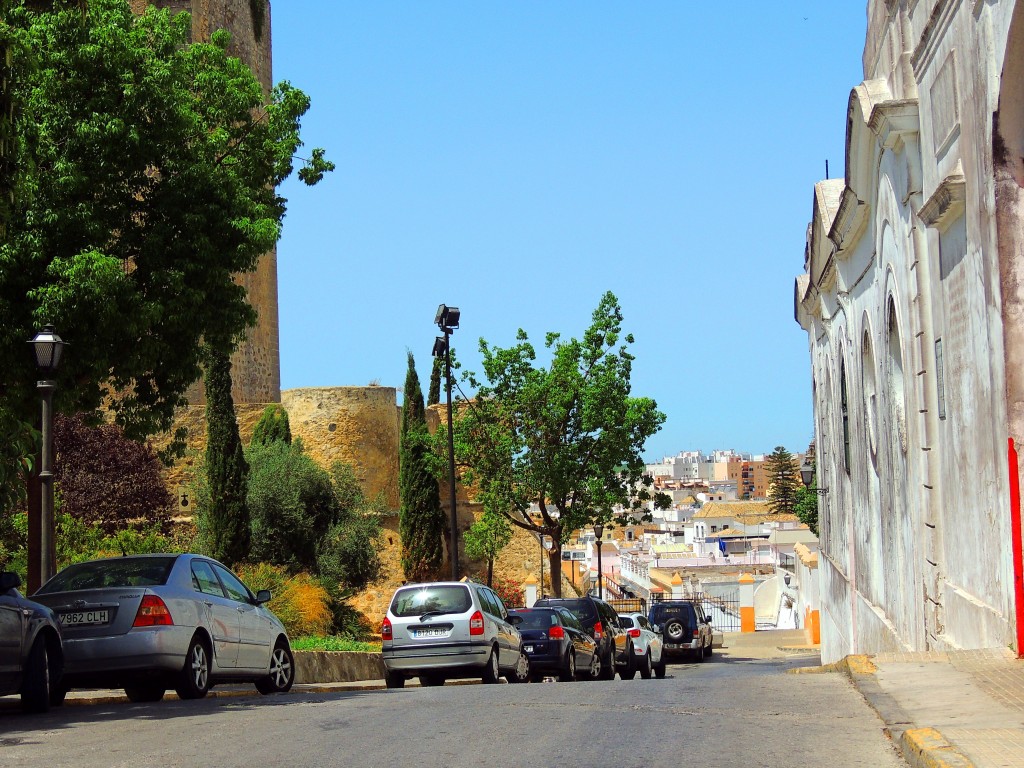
(556, 633)
(152, 613)
(598, 630)
(633, 633)
(696, 633)
(385, 629)
(476, 624)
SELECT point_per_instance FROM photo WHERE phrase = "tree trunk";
(555, 563)
(490, 572)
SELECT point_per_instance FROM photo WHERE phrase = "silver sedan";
(147, 623)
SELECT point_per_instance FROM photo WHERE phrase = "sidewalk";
(955, 709)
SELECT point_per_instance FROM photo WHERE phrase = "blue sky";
(518, 159)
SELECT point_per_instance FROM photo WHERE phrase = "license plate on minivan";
(79, 618)
(430, 632)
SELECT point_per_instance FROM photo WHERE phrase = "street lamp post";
(598, 533)
(807, 472)
(447, 319)
(48, 348)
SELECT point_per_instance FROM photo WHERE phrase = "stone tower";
(256, 365)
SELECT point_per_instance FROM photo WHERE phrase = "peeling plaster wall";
(915, 528)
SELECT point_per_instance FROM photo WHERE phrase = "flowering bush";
(511, 594)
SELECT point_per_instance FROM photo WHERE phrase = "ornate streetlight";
(447, 319)
(48, 348)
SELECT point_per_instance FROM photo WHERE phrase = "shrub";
(511, 594)
(299, 601)
(272, 426)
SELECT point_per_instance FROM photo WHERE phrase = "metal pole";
(600, 581)
(46, 544)
(542, 565)
(453, 515)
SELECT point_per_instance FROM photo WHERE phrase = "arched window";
(869, 384)
(844, 414)
(896, 383)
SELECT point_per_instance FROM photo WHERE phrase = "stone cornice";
(933, 33)
(891, 120)
(947, 202)
(850, 221)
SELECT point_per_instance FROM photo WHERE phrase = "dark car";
(556, 643)
(31, 659)
(684, 627)
(601, 622)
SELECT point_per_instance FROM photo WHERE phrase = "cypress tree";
(434, 393)
(226, 468)
(273, 426)
(421, 519)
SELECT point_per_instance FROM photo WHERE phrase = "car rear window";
(684, 612)
(115, 572)
(626, 621)
(446, 598)
(538, 619)
(583, 609)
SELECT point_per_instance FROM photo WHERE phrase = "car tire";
(629, 671)
(194, 678)
(522, 672)
(659, 670)
(674, 630)
(594, 670)
(645, 666)
(35, 691)
(491, 673)
(607, 667)
(394, 680)
(431, 680)
(57, 694)
(568, 672)
(708, 649)
(282, 671)
(144, 694)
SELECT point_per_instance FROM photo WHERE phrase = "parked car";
(147, 623)
(684, 627)
(31, 653)
(647, 646)
(451, 629)
(601, 622)
(556, 643)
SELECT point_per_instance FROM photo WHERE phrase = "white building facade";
(913, 302)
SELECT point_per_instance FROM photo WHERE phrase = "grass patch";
(330, 643)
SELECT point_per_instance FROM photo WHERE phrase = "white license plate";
(430, 633)
(84, 617)
(528, 648)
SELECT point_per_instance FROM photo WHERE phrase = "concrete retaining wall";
(337, 666)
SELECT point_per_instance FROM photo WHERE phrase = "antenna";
(826, 169)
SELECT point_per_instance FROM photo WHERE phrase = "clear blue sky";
(518, 159)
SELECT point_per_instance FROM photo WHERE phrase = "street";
(730, 711)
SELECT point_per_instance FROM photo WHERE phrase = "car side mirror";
(515, 621)
(9, 580)
(263, 596)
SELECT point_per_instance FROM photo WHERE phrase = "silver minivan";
(450, 629)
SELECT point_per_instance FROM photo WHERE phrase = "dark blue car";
(556, 644)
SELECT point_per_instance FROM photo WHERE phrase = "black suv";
(684, 627)
(614, 645)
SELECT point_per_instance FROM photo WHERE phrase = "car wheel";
(674, 630)
(394, 680)
(282, 671)
(491, 672)
(708, 650)
(568, 672)
(594, 672)
(35, 692)
(57, 694)
(607, 668)
(522, 672)
(659, 671)
(645, 666)
(629, 672)
(194, 678)
(143, 694)
(431, 680)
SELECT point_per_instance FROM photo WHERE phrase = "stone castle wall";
(256, 365)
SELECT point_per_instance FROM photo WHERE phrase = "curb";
(919, 747)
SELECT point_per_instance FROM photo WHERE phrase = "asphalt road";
(729, 711)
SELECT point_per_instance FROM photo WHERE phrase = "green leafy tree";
(227, 525)
(566, 438)
(434, 391)
(486, 538)
(141, 177)
(272, 426)
(421, 519)
(783, 481)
